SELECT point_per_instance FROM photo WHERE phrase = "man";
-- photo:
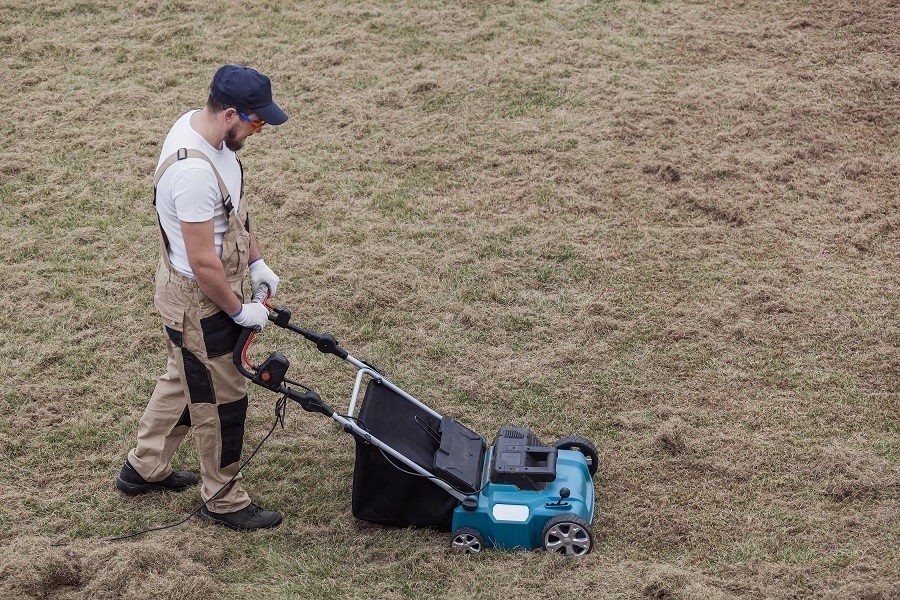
(207, 245)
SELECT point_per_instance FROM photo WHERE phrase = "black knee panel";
(198, 378)
(231, 419)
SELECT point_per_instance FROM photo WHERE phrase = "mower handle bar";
(311, 401)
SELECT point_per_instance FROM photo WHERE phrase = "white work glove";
(261, 273)
(253, 315)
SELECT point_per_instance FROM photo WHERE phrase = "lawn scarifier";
(417, 468)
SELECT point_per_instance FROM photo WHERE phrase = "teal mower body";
(511, 518)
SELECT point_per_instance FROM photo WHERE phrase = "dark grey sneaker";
(249, 518)
(130, 482)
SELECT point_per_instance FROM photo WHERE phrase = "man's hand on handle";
(253, 315)
(261, 273)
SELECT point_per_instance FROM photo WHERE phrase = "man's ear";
(230, 115)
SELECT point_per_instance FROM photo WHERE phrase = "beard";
(231, 141)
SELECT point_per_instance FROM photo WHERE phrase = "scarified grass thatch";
(670, 226)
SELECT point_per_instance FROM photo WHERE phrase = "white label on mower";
(511, 512)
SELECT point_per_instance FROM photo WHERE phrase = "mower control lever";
(324, 342)
(281, 316)
(309, 401)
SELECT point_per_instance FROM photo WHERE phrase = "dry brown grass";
(669, 226)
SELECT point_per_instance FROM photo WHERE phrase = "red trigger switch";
(271, 372)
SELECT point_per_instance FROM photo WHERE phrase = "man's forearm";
(255, 254)
(199, 243)
(211, 278)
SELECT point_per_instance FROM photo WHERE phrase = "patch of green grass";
(365, 81)
(536, 96)
(797, 554)
(466, 281)
(436, 102)
(635, 28)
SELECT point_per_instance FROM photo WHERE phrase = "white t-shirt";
(188, 190)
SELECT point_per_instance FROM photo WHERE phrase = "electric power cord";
(280, 409)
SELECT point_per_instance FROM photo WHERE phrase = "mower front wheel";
(583, 445)
(569, 535)
(467, 540)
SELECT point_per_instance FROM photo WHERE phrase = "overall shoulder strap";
(241, 165)
(184, 153)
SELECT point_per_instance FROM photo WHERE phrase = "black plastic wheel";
(583, 445)
(569, 535)
(467, 540)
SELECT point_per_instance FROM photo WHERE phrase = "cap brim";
(271, 114)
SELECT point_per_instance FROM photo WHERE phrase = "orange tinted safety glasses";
(256, 125)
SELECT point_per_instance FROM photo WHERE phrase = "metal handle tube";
(357, 363)
(356, 385)
(384, 381)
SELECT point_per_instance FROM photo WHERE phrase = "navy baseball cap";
(246, 88)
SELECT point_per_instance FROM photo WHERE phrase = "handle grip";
(262, 294)
(238, 356)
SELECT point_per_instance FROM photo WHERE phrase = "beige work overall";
(201, 387)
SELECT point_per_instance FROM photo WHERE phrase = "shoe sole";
(205, 516)
(136, 489)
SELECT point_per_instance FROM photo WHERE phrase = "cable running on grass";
(280, 410)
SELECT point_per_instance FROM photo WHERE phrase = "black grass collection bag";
(384, 494)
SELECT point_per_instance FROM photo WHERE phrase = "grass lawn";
(669, 226)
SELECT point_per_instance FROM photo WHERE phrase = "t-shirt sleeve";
(195, 193)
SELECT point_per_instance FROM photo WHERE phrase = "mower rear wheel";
(569, 535)
(467, 541)
(583, 445)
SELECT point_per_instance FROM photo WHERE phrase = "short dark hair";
(215, 106)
